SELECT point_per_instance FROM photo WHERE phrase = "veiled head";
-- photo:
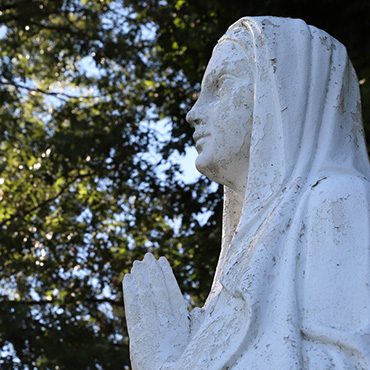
(288, 101)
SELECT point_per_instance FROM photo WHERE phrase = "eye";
(220, 82)
(213, 84)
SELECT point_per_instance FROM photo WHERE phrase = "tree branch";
(52, 93)
(44, 202)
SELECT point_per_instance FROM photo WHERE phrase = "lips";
(199, 135)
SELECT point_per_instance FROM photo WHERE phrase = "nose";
(192, 117)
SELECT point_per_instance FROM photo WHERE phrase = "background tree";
(87, 181)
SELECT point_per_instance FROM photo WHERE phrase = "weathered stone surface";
(278, 123)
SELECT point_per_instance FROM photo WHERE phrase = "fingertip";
(149, 257)
(136, 265)
(163, 260)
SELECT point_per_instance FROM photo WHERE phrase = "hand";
(156, 314)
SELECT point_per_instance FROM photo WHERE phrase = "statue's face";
(222, 116)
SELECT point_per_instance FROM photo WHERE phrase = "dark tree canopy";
(87, 182)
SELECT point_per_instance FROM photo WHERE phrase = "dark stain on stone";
(318, 182)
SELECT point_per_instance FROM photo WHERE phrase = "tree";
(85, 184)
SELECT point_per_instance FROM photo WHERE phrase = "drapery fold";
(292, 286)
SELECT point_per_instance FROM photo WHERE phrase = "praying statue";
(278, 124)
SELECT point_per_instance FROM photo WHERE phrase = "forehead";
(228, 56)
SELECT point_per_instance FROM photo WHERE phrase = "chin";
(208, 167)
(199, 165)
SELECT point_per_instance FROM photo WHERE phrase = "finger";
(171, 281)
(179, 311)
(157, 285)
(140, 324)
(149, 257)
(135, 266)
(174, 292)
(143, 277)
(140, 274)
(139, 288)
(146, 320)
(130, 299)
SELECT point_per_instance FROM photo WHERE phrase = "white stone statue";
(278, 123)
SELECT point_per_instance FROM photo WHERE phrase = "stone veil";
(292, 285)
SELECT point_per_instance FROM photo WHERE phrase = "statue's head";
(222, 115)
(278, 98)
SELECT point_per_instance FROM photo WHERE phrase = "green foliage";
(83, 84)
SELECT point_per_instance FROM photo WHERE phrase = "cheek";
(229, 121)
(233, 129)
(242, 115)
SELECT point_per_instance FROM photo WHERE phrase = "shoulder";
(336, 262)
(339, 202)
(338, 187)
